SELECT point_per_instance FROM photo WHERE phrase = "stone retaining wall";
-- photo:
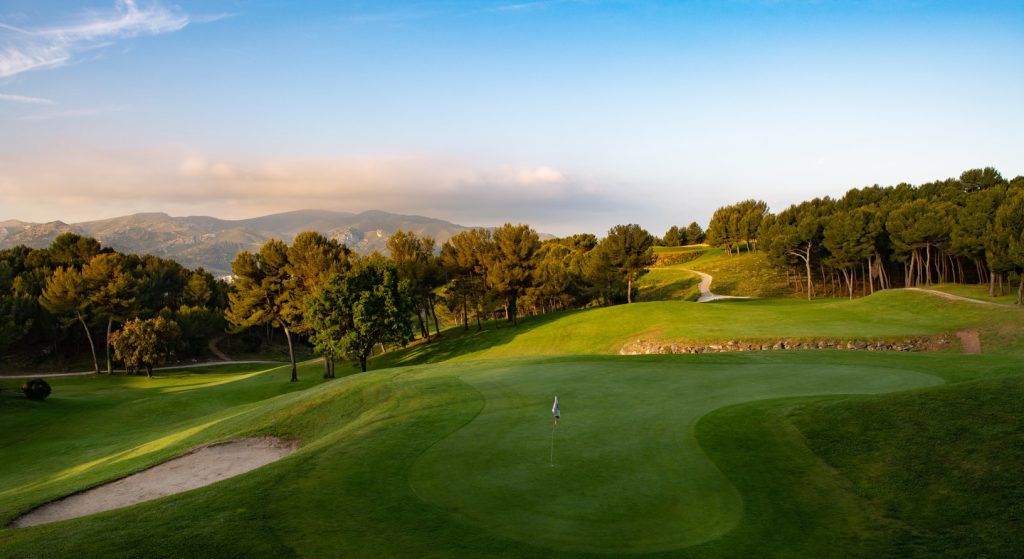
(656, 347)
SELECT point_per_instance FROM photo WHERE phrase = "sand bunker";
(202, 466)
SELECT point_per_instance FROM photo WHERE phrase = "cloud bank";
(23, 50)
(88, 184)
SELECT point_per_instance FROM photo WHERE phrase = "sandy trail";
(952, 297)
(170, 368)
(705, 289)
(201, 467)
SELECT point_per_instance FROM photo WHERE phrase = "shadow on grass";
(456, 342)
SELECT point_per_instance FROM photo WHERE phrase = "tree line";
(140, 310)
(346, 305)
(76, 291)
(964, 230)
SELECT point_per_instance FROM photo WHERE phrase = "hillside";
(212, 243)
(768, 454)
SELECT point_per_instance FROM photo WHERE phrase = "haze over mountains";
(212, 243)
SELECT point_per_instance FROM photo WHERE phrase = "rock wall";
(656, 347)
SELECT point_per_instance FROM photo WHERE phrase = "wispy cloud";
(520, 6)
(25, 99)
(23, 50)
(71, 113)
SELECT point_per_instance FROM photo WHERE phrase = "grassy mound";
(888, 314)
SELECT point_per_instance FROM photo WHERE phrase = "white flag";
(555, 411)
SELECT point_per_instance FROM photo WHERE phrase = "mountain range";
(212, 243)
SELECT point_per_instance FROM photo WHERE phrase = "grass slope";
(719, 455)
(889, 314)
(748, 274)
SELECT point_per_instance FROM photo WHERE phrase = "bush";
(36, 389)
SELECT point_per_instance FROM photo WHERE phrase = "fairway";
(630, 475)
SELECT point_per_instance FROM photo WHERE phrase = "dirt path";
(970, 341)
(170, 368)
(212, 345)
(201, 467)
(952, 297)
(705, 289)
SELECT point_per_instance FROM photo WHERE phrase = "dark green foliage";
(628, 249)
(737, 224)
(510, 265)
(464, 260)
(1007, 237)
(198, 324)
(694, 234)
(795, 236)
(143, 344)
(262, 293)
(424, 272)
(36, 389)
(673, 237)
(355, 311)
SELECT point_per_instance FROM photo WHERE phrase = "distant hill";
(212, 243)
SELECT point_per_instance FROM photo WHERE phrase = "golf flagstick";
(555, 413)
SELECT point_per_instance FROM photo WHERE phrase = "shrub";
(36, 389)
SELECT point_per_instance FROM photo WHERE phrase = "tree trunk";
(423, 328)
(291, 353)
(433, 313)
(327, 368)
(629, 288)
(1020, 288)
(465, 313)
(362, 362)
(110, 365)
(92, 346)
(991, 284)
(149, 370)
(807, 262)
(849, 282)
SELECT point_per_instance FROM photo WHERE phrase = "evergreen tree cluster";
(965, 230)
(74, 293)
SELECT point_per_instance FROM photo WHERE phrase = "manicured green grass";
(889, 314)
(723, 455)
(942, 465)
(668, 284)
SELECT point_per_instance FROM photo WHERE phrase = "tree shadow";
(455, 342)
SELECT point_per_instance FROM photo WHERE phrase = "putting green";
(629, 475)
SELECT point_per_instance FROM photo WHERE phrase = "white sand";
(201, 467)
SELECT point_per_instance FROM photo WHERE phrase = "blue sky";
(569, 115)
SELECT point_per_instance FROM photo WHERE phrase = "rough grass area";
(748, 274)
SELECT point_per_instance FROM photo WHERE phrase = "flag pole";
(553, 425)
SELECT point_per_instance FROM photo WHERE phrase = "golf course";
(447, 449)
